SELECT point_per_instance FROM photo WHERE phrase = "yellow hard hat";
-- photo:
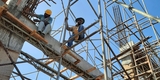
(49, 12)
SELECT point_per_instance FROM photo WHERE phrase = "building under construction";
(121, 41)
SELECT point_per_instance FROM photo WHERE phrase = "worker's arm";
(47, 20)
(69, 28)
(50, 20)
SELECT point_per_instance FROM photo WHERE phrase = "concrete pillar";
(1, 2)
(14, 45)
(6, 71)
(14, 8)
(127, 61)
(11, 41)
(126, 66)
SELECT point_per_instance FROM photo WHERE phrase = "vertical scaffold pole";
(66, 19)
(102, 40)
(109, 65)
(59, 68)
(66, 25)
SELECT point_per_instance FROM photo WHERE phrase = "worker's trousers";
(44, 29)
(71, 41)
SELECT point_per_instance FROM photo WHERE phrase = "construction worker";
(75, 30)
(44, 20)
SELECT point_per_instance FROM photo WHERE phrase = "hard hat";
(80, 18)
(49, 12)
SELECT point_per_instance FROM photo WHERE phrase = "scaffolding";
(121, 42)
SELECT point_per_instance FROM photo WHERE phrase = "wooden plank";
(91, 69)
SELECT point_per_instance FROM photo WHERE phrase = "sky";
(80, 9)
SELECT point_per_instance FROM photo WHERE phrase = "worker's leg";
(71, 41)
(40, 26)
(81, 36)
(47, 29)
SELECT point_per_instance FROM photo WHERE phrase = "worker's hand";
(36, 20)
(66, 18)
(77, 24)
(45, 22)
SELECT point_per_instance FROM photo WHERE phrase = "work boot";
(39, 32)
(42, 34)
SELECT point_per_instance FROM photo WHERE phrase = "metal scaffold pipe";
(102, 41)
(138, 11)
(66, 18)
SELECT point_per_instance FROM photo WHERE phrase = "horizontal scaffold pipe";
(138, 11)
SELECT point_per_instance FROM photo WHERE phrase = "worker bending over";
(44, 20)
(75, 30)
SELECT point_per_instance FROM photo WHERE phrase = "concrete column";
(6, 71)
(14, 45)
(14, 8)
(1, 2)
(126, 66)
(12, 42)
(127, 61)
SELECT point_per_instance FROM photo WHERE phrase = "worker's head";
(47, 13)
(80, 20)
